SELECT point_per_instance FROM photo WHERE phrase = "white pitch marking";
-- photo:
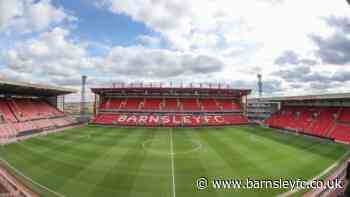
(29, 179)
(326, 171)
(172, 160)
(198, 147)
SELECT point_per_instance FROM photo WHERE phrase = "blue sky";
(101, 26)
(56, 41)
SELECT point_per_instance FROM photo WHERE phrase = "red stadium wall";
(169, 120)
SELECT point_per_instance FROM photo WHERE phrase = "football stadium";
(174, 98)
(149, 140)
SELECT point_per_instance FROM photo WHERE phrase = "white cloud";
(251, 20)
(58, 59)
(29, 15)
(205, 40)
(244, 36)
(50, 54)
(156, 63)
(150, 41)
(9, 10)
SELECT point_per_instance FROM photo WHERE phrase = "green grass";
(98, 161)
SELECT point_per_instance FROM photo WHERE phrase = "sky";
(300, 47)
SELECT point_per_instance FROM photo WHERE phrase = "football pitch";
(98, 161)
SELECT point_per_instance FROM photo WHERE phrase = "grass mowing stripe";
(52, 165)
(318, 177)
(153, 176)
(230, 153)
(200, 160)
(18, 172)
(90, 158)
(312, 150)
(94, 171)
(60, 165)
(55, 147)
(66, 133)
(252, 143)
(120, 183)
(241, 165)
(292, 140)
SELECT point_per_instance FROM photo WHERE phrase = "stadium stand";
(23, 115)
(341, 132)
(169, 106)
(190, 105)
(326, 120)
(210, 105)
(6, 114)
(132, 104)
(25, 109)
(152, 104)
(228, 105)
(344, 115)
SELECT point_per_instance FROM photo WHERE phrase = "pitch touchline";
(172, 160)
(29, 179)
(335, 164)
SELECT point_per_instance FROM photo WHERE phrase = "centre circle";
(163, 147)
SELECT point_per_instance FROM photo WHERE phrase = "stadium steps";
(14, 110)
(331, 130)
(6, 112)
(341, 133)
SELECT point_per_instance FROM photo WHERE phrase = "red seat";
(228, 105)
(317, 121)
(152, 104)
(344, 115)
(170, 105)
(6, 112)
(112, 103)
(26, 114)
(209, 105)
(341, 132)
(190, 105)
(133, 104)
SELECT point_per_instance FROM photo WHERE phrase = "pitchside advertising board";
(170, 119)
